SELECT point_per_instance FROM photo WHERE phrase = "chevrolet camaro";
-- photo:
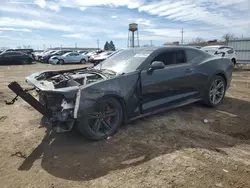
(131, 84)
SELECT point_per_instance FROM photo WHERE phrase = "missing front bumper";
(19, 91)
(55, 121)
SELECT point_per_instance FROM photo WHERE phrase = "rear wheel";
(25, 61)
(215, 92)
(234, 61)
(61, 61)
(83, 61)
(102, 119)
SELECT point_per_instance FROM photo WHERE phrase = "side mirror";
(156, 65)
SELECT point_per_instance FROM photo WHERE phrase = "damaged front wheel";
(102, 119)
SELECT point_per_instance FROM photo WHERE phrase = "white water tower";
(133, 36)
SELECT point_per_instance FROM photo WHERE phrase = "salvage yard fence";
(242, 48)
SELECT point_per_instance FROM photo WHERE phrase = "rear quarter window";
(192, 55)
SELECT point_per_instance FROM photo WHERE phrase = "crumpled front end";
(58, 95)
(62, 110)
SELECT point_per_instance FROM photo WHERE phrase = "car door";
(4, 59)
(77, 57)
(17, 57)
(69, 57)
(170, 85)
(9, 58)
(73, 57)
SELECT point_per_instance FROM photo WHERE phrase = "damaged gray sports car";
(130, 84)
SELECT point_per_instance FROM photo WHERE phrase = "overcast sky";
(66, 22)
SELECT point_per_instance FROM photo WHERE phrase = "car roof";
(153, 48)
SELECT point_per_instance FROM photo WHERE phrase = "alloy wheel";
(217, 90)
(103, 118)
(83, 61)
(60, 62)
(24, 62)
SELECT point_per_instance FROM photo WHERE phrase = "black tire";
(83, 61)
(94, 125)
(234, 62)
(60, 61)
(211, 91)
(25, 61)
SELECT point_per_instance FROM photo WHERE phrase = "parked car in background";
(82, 51)
(100, 57)
(44, 53)
(22, 50)
(45, 58)
(223, 51)
(71, 57)
(8, 50)
(93, 53)
(26, 51)
(15, 58)
(36, 53)
(90, 54)
(131, 84)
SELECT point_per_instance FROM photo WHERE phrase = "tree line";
(109, 46)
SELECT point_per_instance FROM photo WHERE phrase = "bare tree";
(26, 46)
(19, 47)
(198, 40)
(228, 36)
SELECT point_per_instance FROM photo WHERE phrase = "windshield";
(125, 61)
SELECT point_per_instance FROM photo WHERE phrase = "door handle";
(188, 70)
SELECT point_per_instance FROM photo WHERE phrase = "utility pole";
(61, 47)
(75, 45)
(151, 43)
(182, 31)
(97, 44)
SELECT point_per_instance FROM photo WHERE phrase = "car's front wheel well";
(233, 60)
(223, 76)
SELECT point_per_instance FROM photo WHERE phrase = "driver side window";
(171, 57)
(72, 54)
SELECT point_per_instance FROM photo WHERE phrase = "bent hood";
(64, 81)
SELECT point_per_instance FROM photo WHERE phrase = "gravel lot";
(171, 149)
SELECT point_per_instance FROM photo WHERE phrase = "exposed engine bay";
(68, 79)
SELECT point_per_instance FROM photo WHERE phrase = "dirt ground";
(171, 149)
